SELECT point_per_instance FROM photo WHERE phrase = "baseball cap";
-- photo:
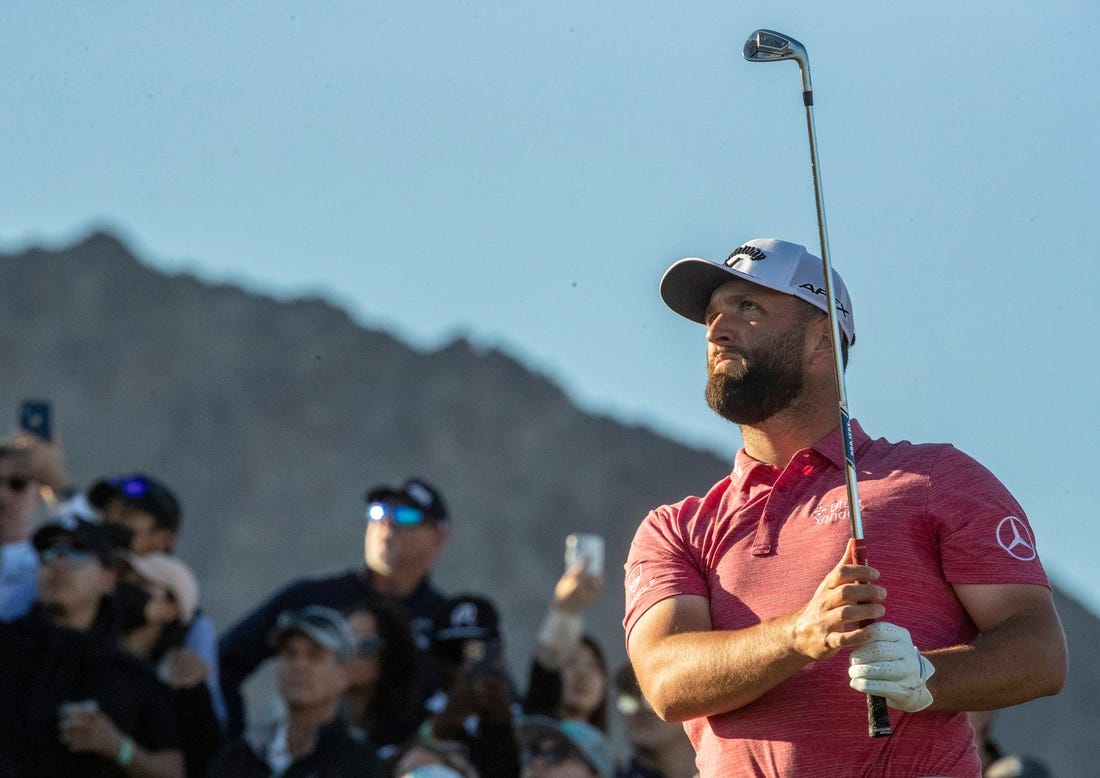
(415, 492)
(80, 533)
(323, 625)
(173, 574)
(140, 491)
(466, 617)
(775, 264)
(585, 738)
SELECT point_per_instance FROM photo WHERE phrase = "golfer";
(743, 606)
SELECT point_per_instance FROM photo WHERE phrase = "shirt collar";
(831, 447)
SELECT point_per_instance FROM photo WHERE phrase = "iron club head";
(772, 46)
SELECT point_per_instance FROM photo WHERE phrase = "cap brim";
(99, 545)
(536, 726)
(465, 633)
(42, 539)
(322, 638)
(687, 286)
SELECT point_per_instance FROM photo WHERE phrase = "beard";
(770, 380)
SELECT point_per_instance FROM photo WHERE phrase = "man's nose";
(718, 330)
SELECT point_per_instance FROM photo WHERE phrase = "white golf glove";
(890, 666)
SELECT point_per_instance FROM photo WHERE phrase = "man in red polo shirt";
(743, 605)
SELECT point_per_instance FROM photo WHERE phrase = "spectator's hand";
(186, 669)
(90, 731)
(577, 588)
(44, 460)
(830, 620)
(890, 666)
(492, 696)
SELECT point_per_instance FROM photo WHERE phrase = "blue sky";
(521, 174)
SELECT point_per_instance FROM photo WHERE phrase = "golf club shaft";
(771, 46)
(878, 716)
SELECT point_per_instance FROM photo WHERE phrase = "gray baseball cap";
(324, 626)
(775, 264)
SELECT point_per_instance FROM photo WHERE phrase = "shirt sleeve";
(661, 563)
(984, 536)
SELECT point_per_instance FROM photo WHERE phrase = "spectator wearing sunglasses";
(28, 467)
(658, 749)
(406, 529)
(314, 647)
(148, 514)
(555, 748)
(382, 700)
(75, 702)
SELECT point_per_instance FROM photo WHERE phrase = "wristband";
(125, 752)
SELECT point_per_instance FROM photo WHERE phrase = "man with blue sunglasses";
(407, 528)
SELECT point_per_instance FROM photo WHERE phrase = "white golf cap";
(776, 264)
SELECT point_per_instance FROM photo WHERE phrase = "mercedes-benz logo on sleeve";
(1014, 537)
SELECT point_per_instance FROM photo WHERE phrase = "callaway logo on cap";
(775, 264)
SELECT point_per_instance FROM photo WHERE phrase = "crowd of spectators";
(110, 667)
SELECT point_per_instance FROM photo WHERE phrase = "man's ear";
(820, 340)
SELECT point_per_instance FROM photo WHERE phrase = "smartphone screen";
(584, 546)
(36, 417)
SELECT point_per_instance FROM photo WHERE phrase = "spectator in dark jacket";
(406, 529)
(314, 646)
(475, 704)
(75, 703)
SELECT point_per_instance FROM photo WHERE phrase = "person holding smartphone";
(474, 703)
(568, 677)
(31, 470)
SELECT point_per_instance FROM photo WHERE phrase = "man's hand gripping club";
(890, 666)
(846, 597)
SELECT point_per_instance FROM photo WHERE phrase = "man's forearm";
(697, 674)
(1018, 660)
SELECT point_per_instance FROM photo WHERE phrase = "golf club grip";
(878, 714)
(878, 717)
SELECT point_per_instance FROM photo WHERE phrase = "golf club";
(771, 46)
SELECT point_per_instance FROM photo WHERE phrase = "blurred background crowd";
(110, 666)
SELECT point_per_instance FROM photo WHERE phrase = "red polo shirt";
(759, 543)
